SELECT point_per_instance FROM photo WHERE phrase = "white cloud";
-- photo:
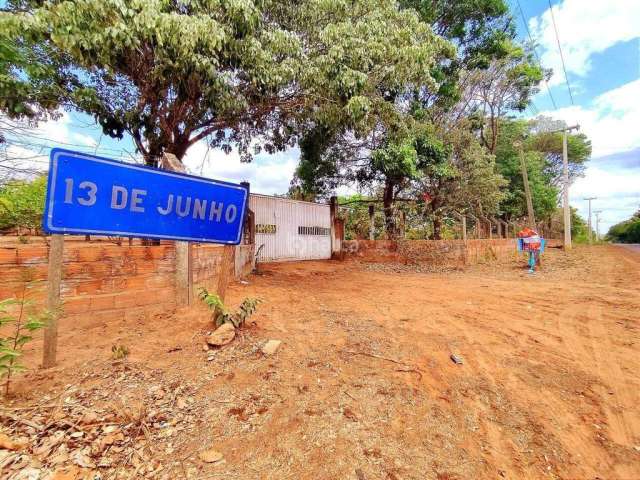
(585, 28)
(617, 192)
(610, 121)
(268, 174)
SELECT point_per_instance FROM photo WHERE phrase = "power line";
(535, 53)
(564, 68)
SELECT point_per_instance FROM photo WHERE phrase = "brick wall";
(102, 281)
(454, 253)
(206, 261)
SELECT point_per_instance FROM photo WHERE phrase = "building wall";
(102, 281)
(291, 229)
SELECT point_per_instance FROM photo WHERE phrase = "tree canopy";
(22, 204)
(173, 73)
(411, 98)
(627, 231)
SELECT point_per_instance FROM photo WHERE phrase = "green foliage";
(482, 30)
(173, 73)
(543, 191)
(22, 204)
(20, 320)
(550, 145)
(580, 228)
(31, 80)
(356, 217)
(220, 312)
(627, 231)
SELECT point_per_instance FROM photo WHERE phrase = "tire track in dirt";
(623, 424)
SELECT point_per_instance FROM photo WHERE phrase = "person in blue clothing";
(529, 241)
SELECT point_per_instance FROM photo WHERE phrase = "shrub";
(21, 320)
(220, 313)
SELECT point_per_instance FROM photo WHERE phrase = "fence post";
(464, 228)
(498, 226)
(54, 279)
(225, 267)
(183, 249)
(372, 226)
(336, 245)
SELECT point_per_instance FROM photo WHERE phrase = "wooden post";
(372, 225)
(498, 226)
(54, 279)
(333, 214)
(183, 277)
(464, 228)
(225, 268)
(183, 249)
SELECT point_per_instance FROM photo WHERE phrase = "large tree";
(542, 154)
(489, 76)
(171, 73)
(465, 181)
(543, 137)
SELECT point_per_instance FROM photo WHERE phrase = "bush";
(627, 231)
(18, 316)
(22, 204)
(222, 315)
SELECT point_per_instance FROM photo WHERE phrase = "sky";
(600, 41)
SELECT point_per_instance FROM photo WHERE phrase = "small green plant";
(119, 352)
(222, 315)
(22, 320)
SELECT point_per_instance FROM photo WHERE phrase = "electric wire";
(535, 53)
(564, 68)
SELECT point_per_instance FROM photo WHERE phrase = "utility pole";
(567, 208)
(597, 212)
(589, 221)
(565, 170)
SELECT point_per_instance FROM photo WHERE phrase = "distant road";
(635, 247)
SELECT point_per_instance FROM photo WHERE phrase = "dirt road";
(635, 247)
(363, 386)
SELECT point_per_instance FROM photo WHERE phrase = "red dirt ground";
(363, 386)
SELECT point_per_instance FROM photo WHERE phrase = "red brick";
(102, 302)
(8, 256)
(76, 305)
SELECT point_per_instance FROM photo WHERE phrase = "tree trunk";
(437, 227)
(387, 202)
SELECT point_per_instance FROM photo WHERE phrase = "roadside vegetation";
(627, 231)
(21, 205)
(411, 100)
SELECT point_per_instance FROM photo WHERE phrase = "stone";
(457, 359)
(222, 336)
(271, 347)
(210, 456)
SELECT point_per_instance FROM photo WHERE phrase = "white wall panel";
(287, 243)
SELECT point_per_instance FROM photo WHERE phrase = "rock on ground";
(271, 347)
(224, 334)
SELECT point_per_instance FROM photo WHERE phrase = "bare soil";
(363, 385)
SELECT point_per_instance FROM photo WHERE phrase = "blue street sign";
(94, 195)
